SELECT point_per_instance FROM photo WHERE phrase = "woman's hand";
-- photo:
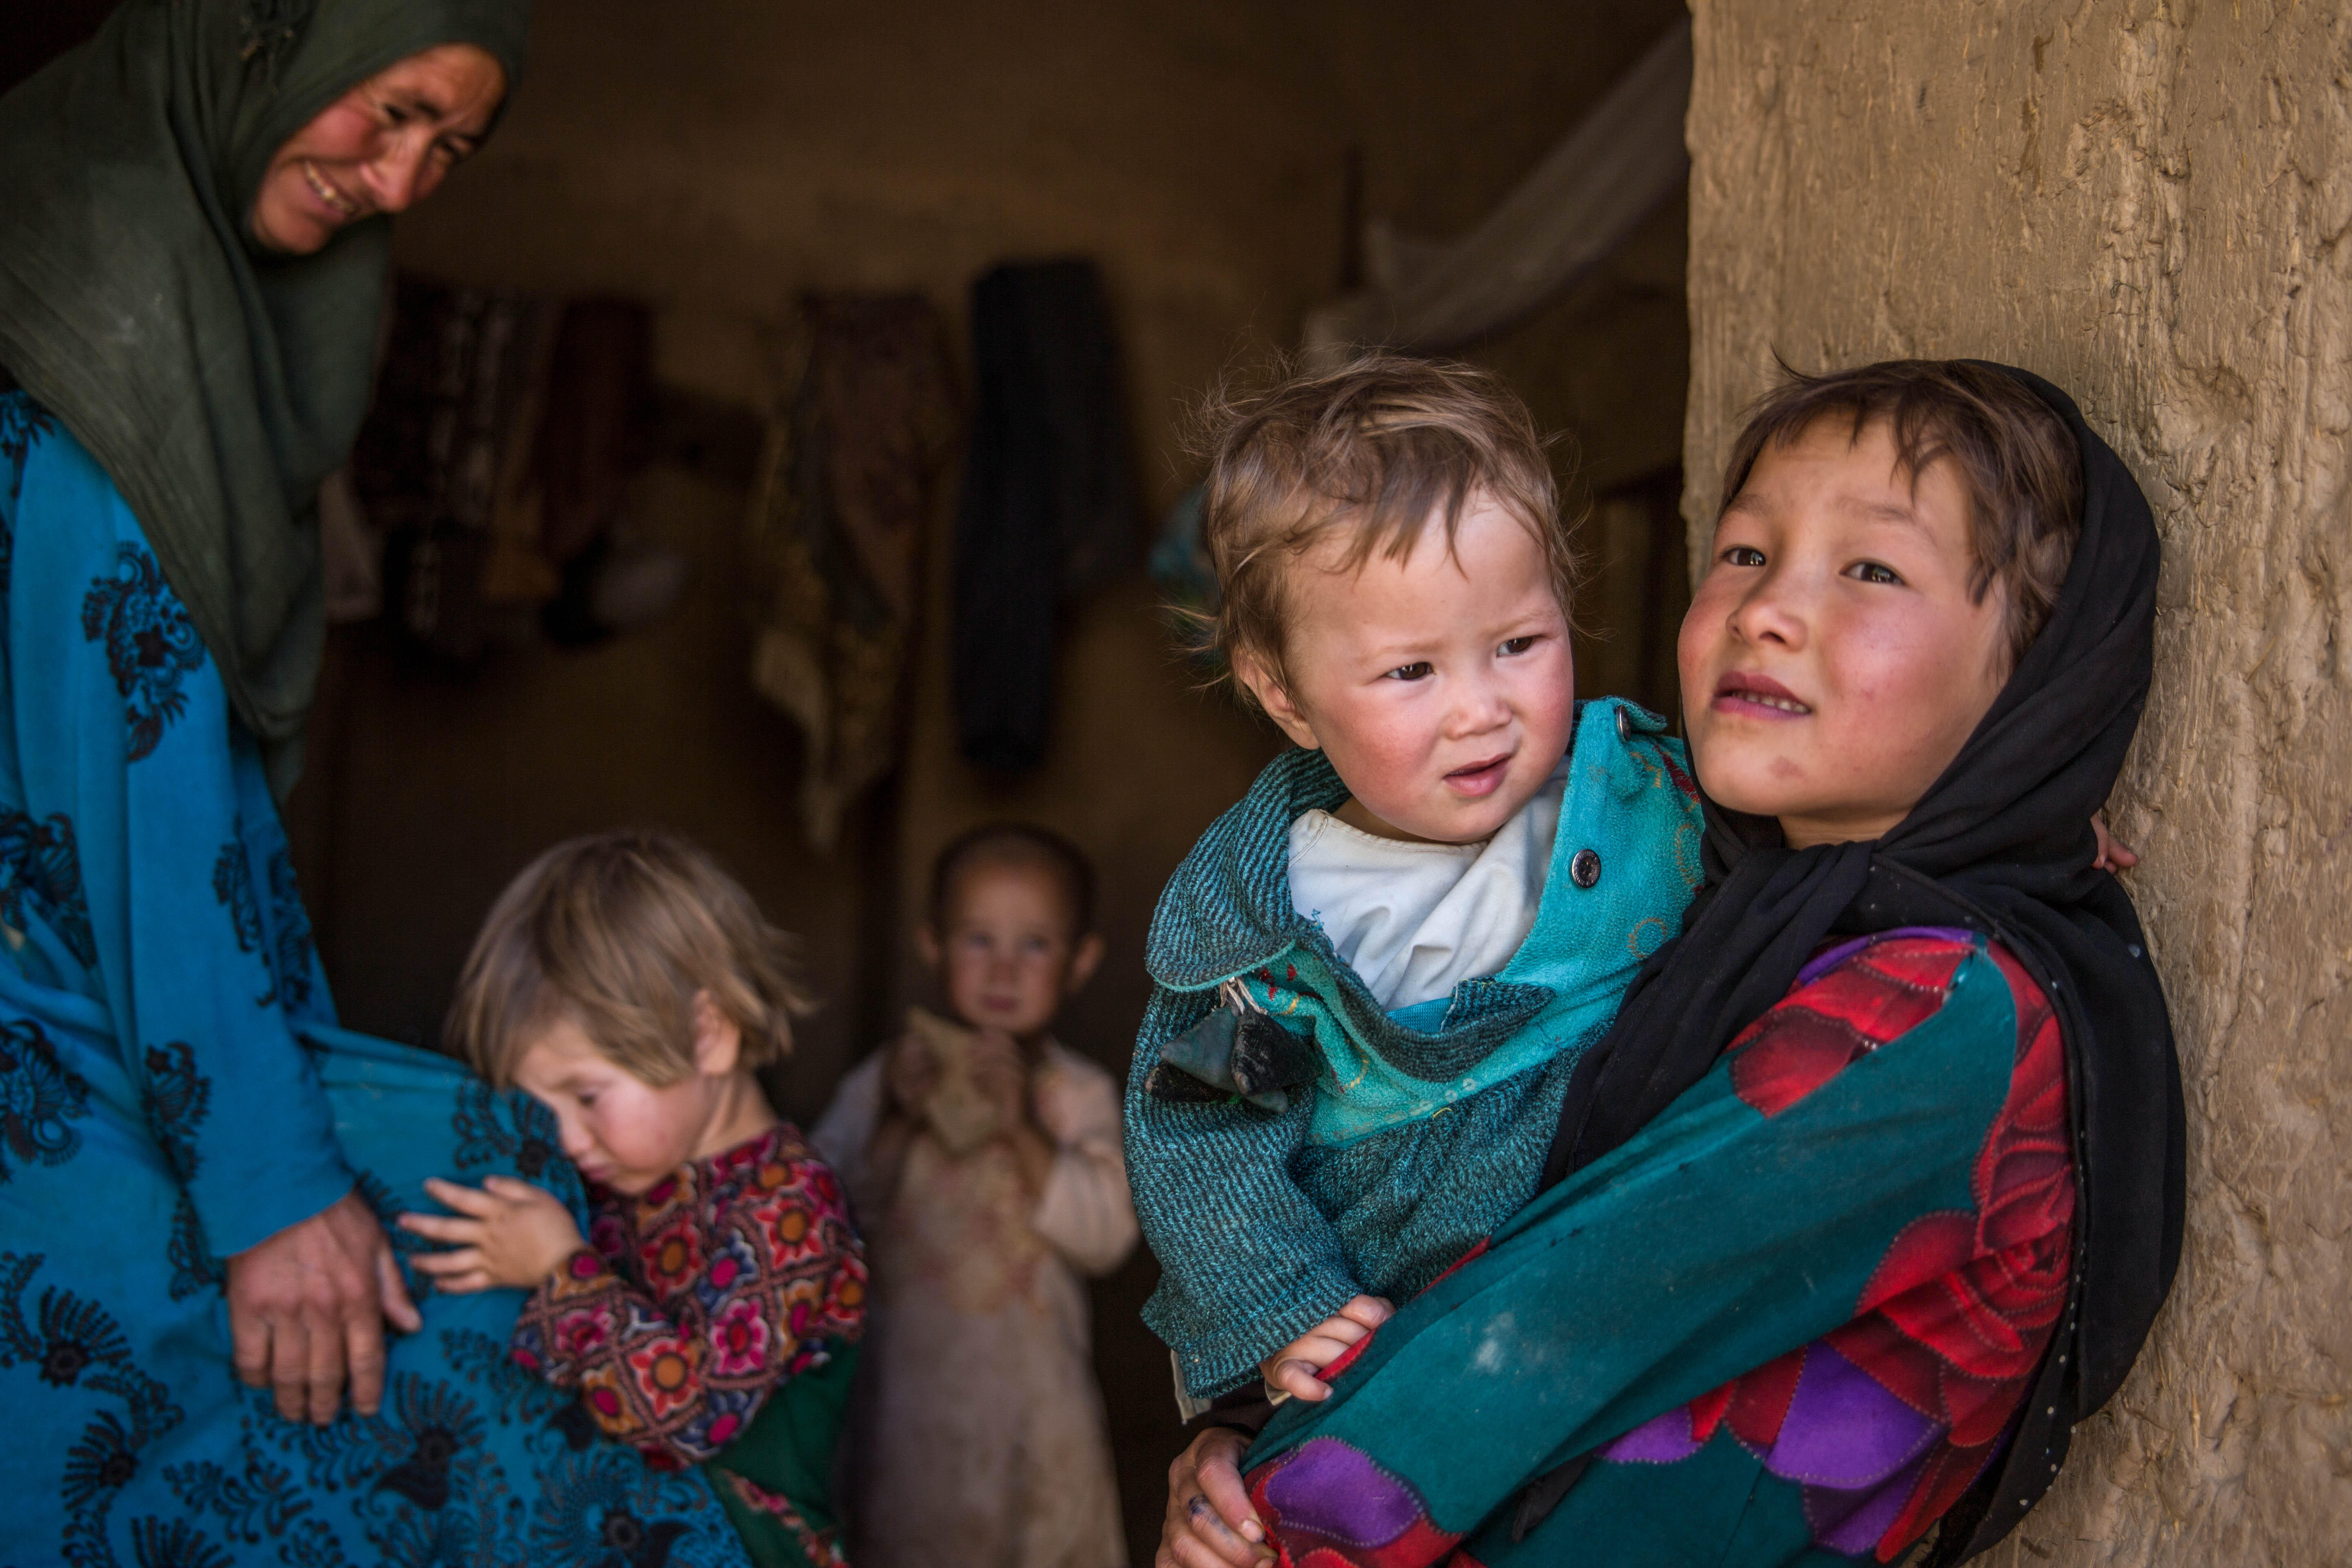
(1292, 1369)
(506, 1231)
(1210, 1522)
(307, 1310)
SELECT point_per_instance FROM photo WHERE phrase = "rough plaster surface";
(2148, 203)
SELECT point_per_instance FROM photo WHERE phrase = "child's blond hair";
(618, 932)
(1378, 447)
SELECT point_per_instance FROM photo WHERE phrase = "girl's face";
(1833, 661)
(379, 148)
(1441, 686)
(1007, 957)
(624, 1133)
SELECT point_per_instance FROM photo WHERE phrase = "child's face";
(1832, 661)
(622, 1132)
(1007, 958)
(1441, 686)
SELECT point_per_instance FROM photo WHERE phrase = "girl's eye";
(1514, 646)
(1743, 555)
(585, 1100)
(1419, 670)
(1871, 572)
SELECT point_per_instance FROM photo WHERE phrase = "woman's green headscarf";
(217, 384)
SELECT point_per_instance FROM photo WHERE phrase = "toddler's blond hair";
(618, 931)
(1378, 447)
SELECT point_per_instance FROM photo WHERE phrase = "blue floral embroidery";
(285, 942)
(174, 1544)
(152, 645)
(502, 1129)
(290, 932)
(177, 1099)
(38, 1095)
(40, 877)
(78, 1344)
(233, 886)
(23, 424)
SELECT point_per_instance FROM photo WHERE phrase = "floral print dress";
(173, 1091)
(724, 1291)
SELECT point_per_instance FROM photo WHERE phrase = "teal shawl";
(215, 383)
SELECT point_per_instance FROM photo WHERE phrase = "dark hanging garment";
(1049, 506)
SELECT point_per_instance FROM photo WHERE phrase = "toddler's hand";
(1001, 1075)
(910, 1074)
(1292, 1369)
(506, 1231)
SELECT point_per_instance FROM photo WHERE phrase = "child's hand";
(506, 1233)
(1001, 1075)
(910, 1074)
(2115, 855)
(1291, 1370)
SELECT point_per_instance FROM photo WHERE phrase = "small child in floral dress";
(712, 1314)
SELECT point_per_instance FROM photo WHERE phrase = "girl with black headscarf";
(193, 1162)
(1874, 1186)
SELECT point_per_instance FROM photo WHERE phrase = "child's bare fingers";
(515, 1190)
(446, 1264)
(442, 1227)
(458, 1197)
(464, 1284)
(1371, 1311)
(1298, 1379)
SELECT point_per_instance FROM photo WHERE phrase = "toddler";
(984, 1159)
(710, 1316)
(1374, 974)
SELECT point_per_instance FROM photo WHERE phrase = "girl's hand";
(1001, 1075)
(2115, 855)
(908, 1075)
(1292, 1369)
(506, 1231)
(1210, 1522)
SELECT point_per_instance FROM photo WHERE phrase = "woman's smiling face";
(1834, 659)
(379, 148)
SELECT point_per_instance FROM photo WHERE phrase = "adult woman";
(192, 265)
(1846, 1233)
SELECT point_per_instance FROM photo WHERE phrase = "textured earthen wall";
(2148, 203)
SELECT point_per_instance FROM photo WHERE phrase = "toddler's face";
(1007, 959)
(1441, 686)
(1832, 662)
(622, 1132)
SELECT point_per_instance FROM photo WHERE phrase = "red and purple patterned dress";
(694, 1299)
(1877, 1174)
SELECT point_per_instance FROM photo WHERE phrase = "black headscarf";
(2000, 844)
(215, 383)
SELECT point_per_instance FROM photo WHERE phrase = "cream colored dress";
(981, 1442)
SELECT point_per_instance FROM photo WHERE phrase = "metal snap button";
(1624, 725)
(1585, 869)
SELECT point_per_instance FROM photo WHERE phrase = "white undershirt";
(1414, 920)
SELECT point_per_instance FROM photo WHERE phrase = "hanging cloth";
(1049, 503)
(848, 484)
(217, 384)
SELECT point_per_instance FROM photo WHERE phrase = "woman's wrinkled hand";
(1210, 1522)
(1296, 1369)
(505, 1232)
(307, 1310)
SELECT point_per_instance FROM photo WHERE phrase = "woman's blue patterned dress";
(172, 1090)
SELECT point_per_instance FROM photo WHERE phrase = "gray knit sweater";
(1383, 1153)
